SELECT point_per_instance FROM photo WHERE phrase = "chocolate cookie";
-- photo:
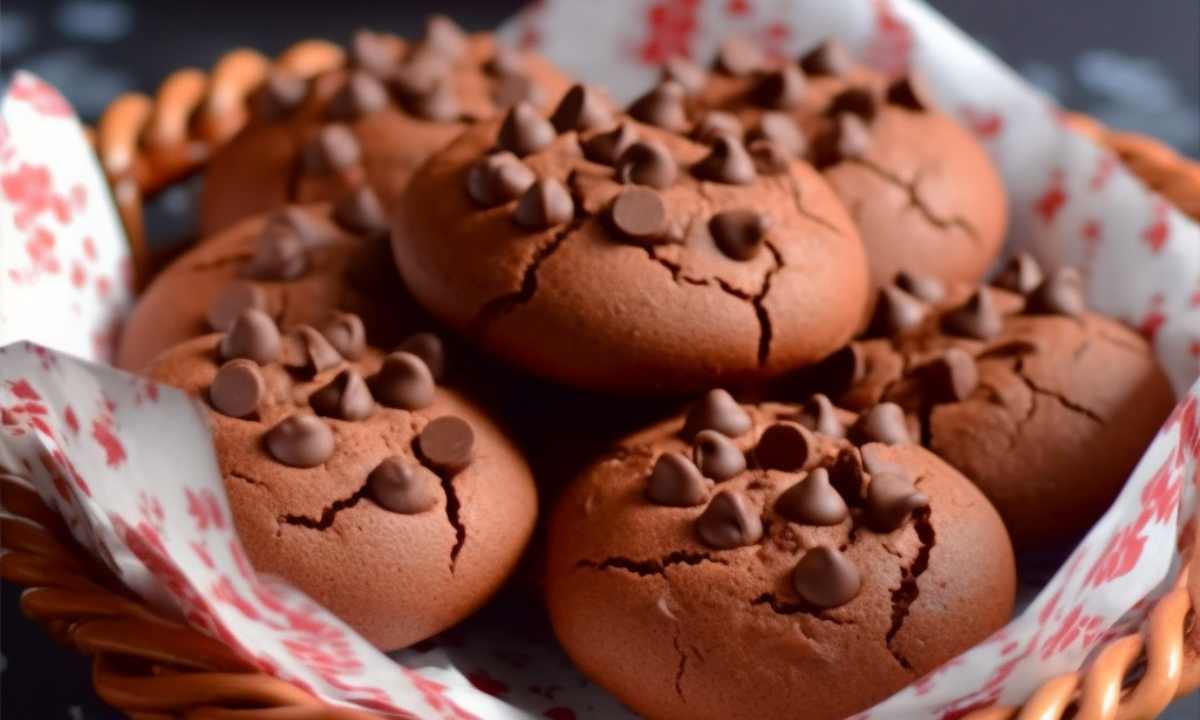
(1045, 406)
(923, 192)
(301, 265)
(609, 254)
(376, 119)
(742, 563)
(392, 501)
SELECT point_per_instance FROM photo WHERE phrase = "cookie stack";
(444, 245)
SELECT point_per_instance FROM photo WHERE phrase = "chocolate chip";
(525, 131)
(280, 94)
(505, 60)
(447, 444)
(1059, 294)
(910, 92)
(838, 372)
(690, 76)
(361, 94)
(714, 124)
(819, 415)
(514, 88)
(813, 501)
(977, 318)
(440, 104)
(717, 410)
(741, 233)
(729, 521)
(231, 301)
(829, 58)
(301, 441)
(444, 37)
(925, 288)
(1009, 349)
(429, 348)
(726, 162)
(373, 52)
(639, 213)
(280, 254)
(308, 352)
(848, 477)
(253, 335)
(545, 204)
(676, 482)
(332, 149)
(581, 109)
(662, 107)
(345, 332)
(300, 220)
(825, 578)
(896, 312)
(783, 446)
(782, 130)
(952, 377)
(361, 212)
(606, 147)
(419, 76)
(739, 57)
(770, 158)
(848, 140)
(891, 500)
(237, 388)
(403, 487)
(883, 423)
(856, 101)
(346, 397)
(647, 162)
(782, 89)
(1021, 274)
(403, 381)
(498, 178)
(716, 455)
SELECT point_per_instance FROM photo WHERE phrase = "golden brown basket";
(152, 667)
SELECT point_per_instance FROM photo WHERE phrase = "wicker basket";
(152, 667)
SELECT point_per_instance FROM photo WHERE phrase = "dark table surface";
(1132, 65)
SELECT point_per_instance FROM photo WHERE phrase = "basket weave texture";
(154, 668)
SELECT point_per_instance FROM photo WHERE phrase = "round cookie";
(300, 264)
(1045, 406)
(395, 503)
(922, 190)
(374, 120)
(818, 573)
(608, 254)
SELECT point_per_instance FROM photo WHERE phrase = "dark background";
(1134, 65)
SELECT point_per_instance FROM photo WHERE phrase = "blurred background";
(1134, 66)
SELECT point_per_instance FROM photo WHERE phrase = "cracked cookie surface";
(400, 563)
(420, 98)
(299, 265)
(587, 303)
(923, 192)
(677, 628)
(1058, 410)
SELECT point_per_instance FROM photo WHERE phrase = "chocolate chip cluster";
(385, 72)
(283, 251)
(825, 493)
(639, 212)
(780, 91)
(907, 304)
(405, 380)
